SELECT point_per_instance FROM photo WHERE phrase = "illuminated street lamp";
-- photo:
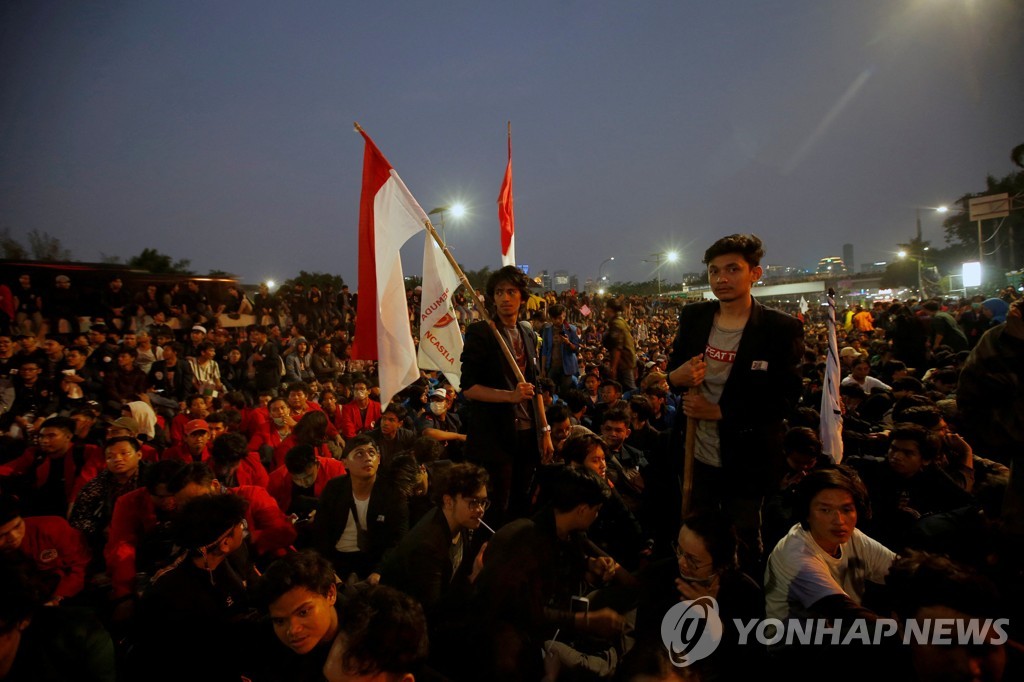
(658, 259)
(601, 267)
(457, 210)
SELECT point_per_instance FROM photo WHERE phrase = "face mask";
(359, 395)
(279, 421)
(438, 408)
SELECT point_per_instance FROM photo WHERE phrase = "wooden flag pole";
(538, 399)
(691, 444)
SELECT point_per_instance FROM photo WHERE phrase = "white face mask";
(360, 395)
(438, 407)
(279, 421)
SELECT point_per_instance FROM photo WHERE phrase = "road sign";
(990, 206)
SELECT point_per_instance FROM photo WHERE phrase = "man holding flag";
(502, 426)
(740, 360)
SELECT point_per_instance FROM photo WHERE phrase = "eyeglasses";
(475, 503)
(364, 454)
(691, 561)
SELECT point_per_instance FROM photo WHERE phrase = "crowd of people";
(182, 496)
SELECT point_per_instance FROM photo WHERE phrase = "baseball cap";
(196, 425)
(848, 351)
(198, 328)
(439, 393)
(63, 278)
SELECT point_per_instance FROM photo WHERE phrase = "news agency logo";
(691, 630)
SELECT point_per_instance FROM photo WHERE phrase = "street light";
(601, 267)
(659, 258)
(458, 210)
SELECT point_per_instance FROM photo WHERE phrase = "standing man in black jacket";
(743, 357)
(503, 432)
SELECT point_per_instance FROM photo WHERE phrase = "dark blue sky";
(222, 131)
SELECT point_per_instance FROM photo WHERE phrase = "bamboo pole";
(691, 444)
(538, 399)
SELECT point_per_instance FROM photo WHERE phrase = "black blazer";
(763, 387)
(490, 427)
(421, 565)
(387, 518)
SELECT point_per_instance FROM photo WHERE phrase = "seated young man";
(299, 592)
(821, 567)
(202, 596)
(434, 561)
(234, 464)
(140, 539)
(270, 532)
(53, 546)
(532, 569)
(298, 484)
(94, 506)
(361, 516)
(382, 636)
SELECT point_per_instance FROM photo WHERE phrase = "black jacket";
(421, 565)
(490, 427)
(762, 389)
(387, 518)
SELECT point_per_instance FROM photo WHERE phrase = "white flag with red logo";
(831, 429)
(388, 217)
(440, 338)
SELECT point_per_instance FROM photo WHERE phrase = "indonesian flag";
(506, 216)
(388, 217)
(831, 413)
(440, 339)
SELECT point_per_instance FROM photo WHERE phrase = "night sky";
(222, 131)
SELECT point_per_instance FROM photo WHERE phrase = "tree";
(11, 248)
(46, 247)
(321, 280)
(159, 263)
(221, 274)
(1002, 238)
(478, 278)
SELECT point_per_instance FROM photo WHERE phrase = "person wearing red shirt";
(302, 479)
(197, 409)
(361, 414)
(270, 531)
(196, 447)
(141, 520)
(53, 545)
(61, 468)
(234, 464)
(275, 431)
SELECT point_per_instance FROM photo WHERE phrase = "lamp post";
(457, 210)
(601, 267)
(658, 259)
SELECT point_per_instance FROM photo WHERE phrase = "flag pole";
(691, 444)
(537, 398)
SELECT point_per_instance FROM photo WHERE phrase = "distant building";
(574, 282)
(848, 254)
(560, 281)
(545, 280)
(780, 271)
(880, 266)
(831, 265)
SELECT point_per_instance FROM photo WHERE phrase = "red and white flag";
(831, 429)
(506, 215)
(388, 217)
(440, 338)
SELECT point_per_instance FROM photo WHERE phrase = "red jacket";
(280, 486)
(287, 444)
(251, 471)
(93, 463)
(181, 453)
(56, 547)
(353, 423)
(134, 516)
(270, 531)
